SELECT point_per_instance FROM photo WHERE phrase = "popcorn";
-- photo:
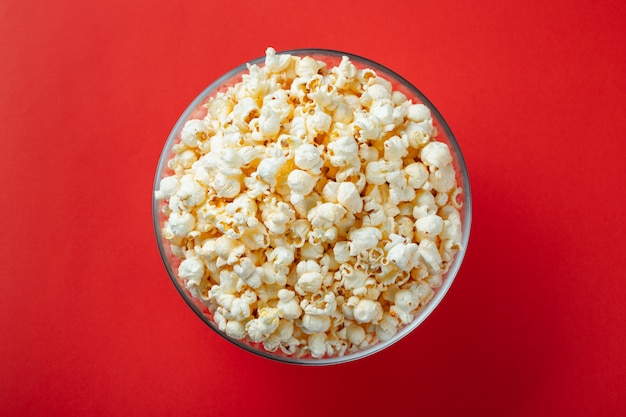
(318, 122)
(343, 151)
(269, 123)
(363, 238)
(310, 277)
(180, 224)
(325, 215)
(194, 131)
(191, 270)
(417, 175)
(288, 306)
(436, 154)
(244, 109)
(418, 113)
(301, 182)
(308, 158)
(429, 226)
(349, 197)
(404, 256)
(387, 327)
(313, 209)
(396, 147)
(429, 253)
(442, 179)
(315, 324)
(318, 345)
(368, 311)
(235, 329)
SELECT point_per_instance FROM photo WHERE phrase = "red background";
(534, 325)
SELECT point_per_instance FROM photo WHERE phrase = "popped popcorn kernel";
(312, 208)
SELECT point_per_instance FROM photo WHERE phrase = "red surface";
(534, 325)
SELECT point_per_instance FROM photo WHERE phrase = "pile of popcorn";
(312, 209)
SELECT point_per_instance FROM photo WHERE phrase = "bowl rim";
(461, 173)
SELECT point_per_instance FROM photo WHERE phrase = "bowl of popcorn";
(312, 206)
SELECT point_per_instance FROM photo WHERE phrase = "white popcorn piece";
(368, 127)
(429, 254)
(191, 270)
(239, 310)
(268, 320)
(309, 277)
(308, 158)
(269, 122)
(301, 182)
(269, 167)
(363, 238)
(278, 101)
(318, 122)
(345, 73)
(230, 162)
(181, 223)
(285, 329)
(406, 300)
(353, 278)
(418, 113)
(376, 172)
(282, 256)
(255, 334)
(417, 174)
(225, 246)
(452, 226)
(313, 209)
(418, 134)
(343, 151)
(235, 329)
(396, 148)
(355, 334)
(382, 108)
(248, 154)
(368, 311)
(424, 205)
(343, 114)
(380, 92)
(297, 233)
(188, 195)
(194, 131)
(307, 67)
(436, 154)
(368, 153)
(326, 215)
(277, 216)
(226, 187)
(245, 108)
(442, 179)
(276, 62)
(185, 159)
(325, 305)
(429, 226)
(341, 251)
(404, 256)
(387, 327)
(288, 306)
(248, 272)
(317, 344)
(330, 191)
(315, 324)
(167, 188)
(349, 197)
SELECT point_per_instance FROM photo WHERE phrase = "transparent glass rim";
(462, 177)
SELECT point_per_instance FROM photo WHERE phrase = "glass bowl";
(197, 110)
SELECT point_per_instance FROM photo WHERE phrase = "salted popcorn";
(313, 210)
